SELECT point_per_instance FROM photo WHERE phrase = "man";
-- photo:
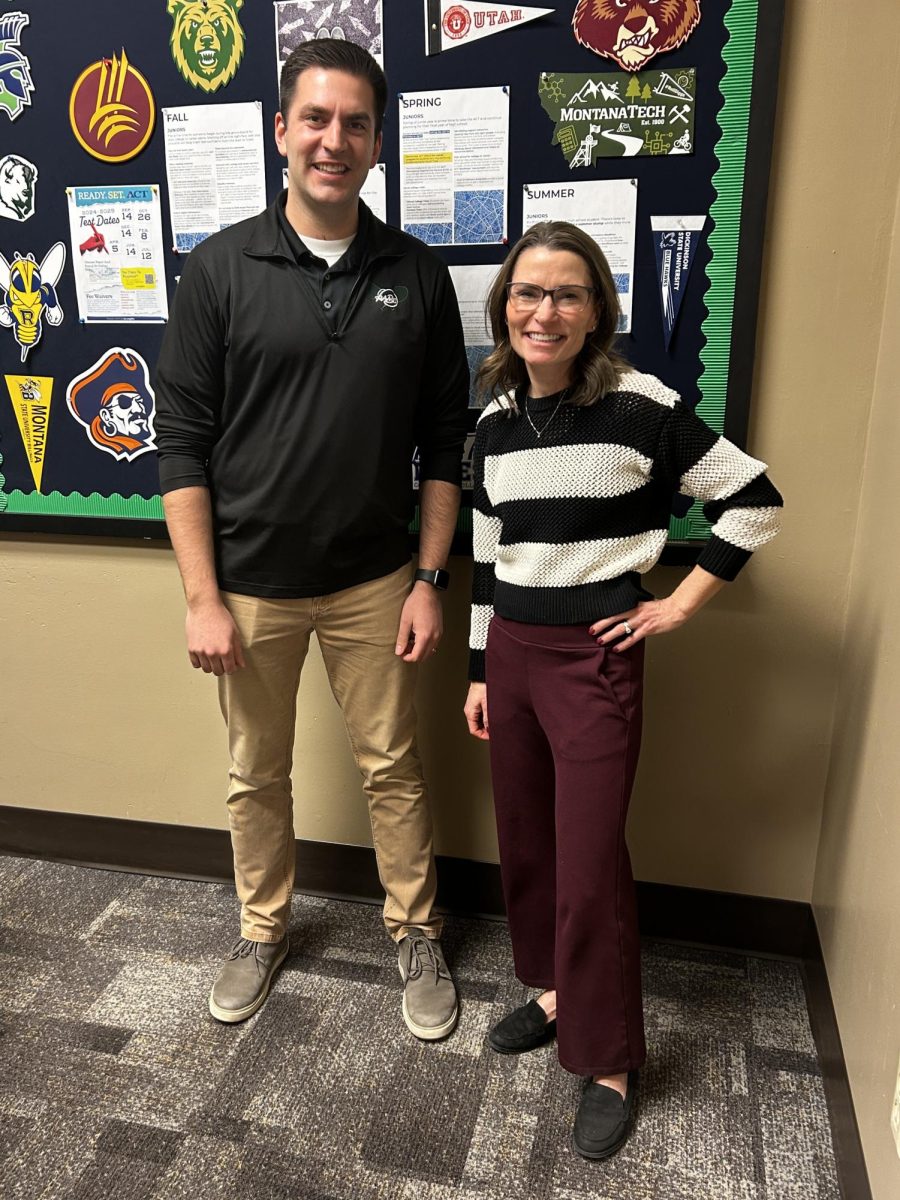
(309, 350)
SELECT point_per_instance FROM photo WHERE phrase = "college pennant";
(449, 23)
(30, 396)
(675, 240)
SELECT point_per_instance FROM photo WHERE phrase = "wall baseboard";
(751, 924)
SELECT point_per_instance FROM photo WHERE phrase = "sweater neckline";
(537, 404)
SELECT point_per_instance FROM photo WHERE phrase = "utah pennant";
(449, 23)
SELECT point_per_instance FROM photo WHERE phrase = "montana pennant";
(30, 396)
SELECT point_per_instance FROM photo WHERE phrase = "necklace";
(543, 428)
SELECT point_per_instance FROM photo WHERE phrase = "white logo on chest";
(387, 297)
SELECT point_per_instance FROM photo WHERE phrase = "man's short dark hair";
(333, 54)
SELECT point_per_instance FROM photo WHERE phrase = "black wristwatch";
(437, 578)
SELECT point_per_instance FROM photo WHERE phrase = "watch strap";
(437, 578)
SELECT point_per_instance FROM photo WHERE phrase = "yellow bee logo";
(30, 294)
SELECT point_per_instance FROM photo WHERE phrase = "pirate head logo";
(15, 71)
(17, 179)
(29, 295)
(114, 402)
(633, 31)
(207, 41)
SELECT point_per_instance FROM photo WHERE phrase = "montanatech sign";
(620, 115)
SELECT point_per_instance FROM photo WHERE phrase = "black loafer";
(603, 1118)
(525, 1028)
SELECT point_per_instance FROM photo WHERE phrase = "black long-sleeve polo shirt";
(303, 429)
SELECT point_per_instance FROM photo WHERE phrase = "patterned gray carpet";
(116, 1082)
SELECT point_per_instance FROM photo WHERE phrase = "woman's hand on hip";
(647, 618)
(476, 711)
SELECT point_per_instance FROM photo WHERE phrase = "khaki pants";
(357, 631)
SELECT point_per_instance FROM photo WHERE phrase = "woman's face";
(549, 338)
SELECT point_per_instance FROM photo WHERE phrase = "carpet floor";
(116, 1082)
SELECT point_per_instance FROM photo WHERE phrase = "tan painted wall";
(857, 884)
(740, 702)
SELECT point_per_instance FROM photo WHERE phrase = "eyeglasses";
(569, 298)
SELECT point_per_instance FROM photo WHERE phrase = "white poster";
(373, 191)
(604, 208)
(454, 151)
(117, 253)
(472, 284)
(298, 21)
(449, 23)
(215, 166)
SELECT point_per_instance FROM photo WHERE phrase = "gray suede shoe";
(244, 980)
(430, 1007)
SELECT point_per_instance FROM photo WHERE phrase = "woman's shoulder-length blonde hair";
(598, 366)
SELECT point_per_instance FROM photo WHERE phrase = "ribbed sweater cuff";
(476, 666)
(723, 559)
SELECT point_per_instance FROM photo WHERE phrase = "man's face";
(127, 414)
(328, 138)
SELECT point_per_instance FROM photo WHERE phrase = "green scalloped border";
(731, 150)
(728, 182)
(75, 504)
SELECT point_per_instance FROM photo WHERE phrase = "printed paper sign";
(18, 179)
(16, 87)
(29, 295)
(633, 33)
(604, 208)
(449, 24)
(453, 165)
(207, 41)
(112, 110)
(675, 240)
(215, 168)
(30, 396)
(299, 21)
(472, 284)
(114, 403)
(117, 253)
(620, 116)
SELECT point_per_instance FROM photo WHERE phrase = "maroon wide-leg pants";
(565, 731)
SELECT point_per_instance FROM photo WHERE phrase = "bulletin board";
(64, 469)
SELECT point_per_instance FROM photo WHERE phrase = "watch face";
(438, 578)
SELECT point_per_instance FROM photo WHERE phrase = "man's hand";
(476, 711)
(214, 644)
(421, 624)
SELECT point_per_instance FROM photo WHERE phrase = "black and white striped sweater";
(564, 525)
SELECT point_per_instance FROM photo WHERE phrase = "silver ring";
(627, 628)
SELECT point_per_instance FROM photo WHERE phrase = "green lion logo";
(207, 41)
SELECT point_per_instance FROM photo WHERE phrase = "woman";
(576, 459)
